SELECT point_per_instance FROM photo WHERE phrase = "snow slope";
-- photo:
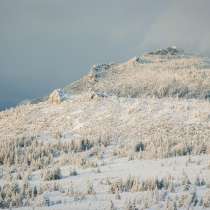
(126, 136)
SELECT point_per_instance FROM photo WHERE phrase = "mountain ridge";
(182, 75)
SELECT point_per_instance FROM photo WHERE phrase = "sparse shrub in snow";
(139, 147)
(131, 205)
(90, 188)
(98, 170)
(206, 199)
(117, 196)
(133, 184)
(70, 190)
(35, 191)
(180, 150)
(1, 173)
(112, 206)
(46, 200)
(170, 205)
(194, 199)
(13, 194)
(78, 196)
(182, 200)
(52, 174)
(199, 181)
(80, 145)
(38, 155)
(189, 200)
(85, 145)
(73, 172)
(186, 182)
(19, 175)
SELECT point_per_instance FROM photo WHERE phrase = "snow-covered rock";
(168, 51)
(56, 97)
(97, 70)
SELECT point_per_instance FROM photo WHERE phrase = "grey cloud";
(47, 44)
(185, 24)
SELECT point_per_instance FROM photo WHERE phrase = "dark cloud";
(49, 43)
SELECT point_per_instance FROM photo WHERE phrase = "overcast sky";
(46, 44)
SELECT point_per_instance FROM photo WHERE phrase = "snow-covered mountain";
(133, 135)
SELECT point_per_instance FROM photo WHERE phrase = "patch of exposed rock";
(56, 97)
(97, 70)
(168, 51)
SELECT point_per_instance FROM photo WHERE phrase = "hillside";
(153, 74)
(131, 136)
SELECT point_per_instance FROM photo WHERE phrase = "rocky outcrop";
(56, 97)
(97, 70)
(168, 51)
